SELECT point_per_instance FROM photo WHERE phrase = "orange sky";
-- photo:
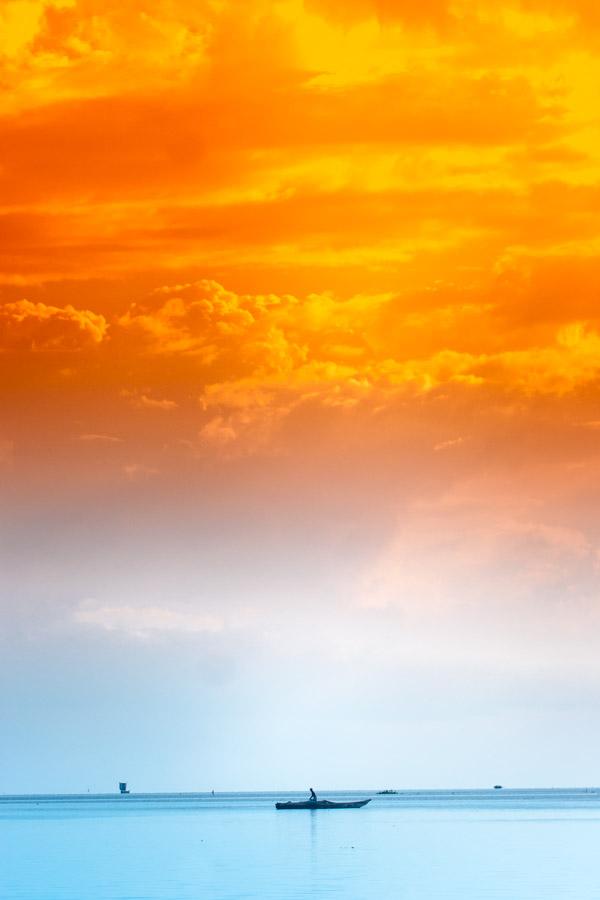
(426, 173)
(247, 208)
(318, 273)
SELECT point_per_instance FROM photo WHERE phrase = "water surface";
(416, 845)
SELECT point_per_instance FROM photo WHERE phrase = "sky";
(300, 432)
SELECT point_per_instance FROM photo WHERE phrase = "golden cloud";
(35, 326)
(264, 351)
(195, 317)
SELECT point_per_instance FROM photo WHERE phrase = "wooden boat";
(322, 804)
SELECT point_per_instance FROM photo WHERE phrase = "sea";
(413, 845)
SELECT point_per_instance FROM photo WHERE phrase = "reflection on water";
(451, 845)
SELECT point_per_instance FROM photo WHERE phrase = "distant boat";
(322, 804)
(497, 787)
(388, 791)
(123, 787)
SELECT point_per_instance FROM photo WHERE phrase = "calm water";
(465, 845)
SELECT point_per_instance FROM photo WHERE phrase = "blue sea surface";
(415, 845)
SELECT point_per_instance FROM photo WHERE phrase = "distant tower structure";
(123, 787)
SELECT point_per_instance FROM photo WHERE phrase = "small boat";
(387, 791)
(123, 787)
(322, 804)
(497, 787)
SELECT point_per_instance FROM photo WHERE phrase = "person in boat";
(313, 796)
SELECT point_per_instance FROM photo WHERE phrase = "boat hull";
(322, 804)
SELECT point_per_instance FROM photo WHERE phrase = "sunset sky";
(300, 434)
